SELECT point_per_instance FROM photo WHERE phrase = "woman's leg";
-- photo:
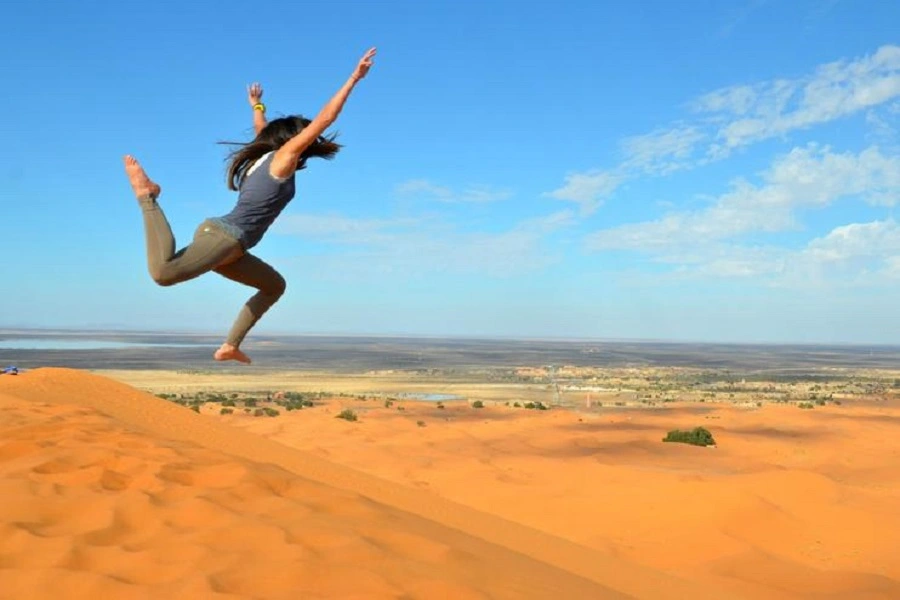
(209, 249)
(253, 272)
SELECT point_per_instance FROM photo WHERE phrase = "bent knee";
(275, 289)
(163, 278)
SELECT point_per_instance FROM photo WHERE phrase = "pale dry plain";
(110, 492)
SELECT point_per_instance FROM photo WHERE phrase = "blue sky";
(694, 170)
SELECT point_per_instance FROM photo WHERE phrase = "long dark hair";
(272, 137)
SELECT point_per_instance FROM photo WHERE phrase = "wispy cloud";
(587, 190)
(662, 151)
(375, 248)
(750, 114)
(726, 119)
(711, 242)
(422, 188)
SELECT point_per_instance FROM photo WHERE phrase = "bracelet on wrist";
(260, 107)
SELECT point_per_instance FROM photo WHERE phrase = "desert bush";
(228, 403)
(697, 436)
(517, 405)
(196, 408)
(226, 411)
(259, 412)
(347, 415)
(271, 412)
(806, 405)
(440, 405)
(478, 404)
(420, 423)
(250, 402)
(388, 403)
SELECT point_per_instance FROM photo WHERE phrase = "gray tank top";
(261, 199)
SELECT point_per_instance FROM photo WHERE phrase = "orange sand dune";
(108, 492)
(791, 504)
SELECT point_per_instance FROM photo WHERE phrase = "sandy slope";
(109, 492)
(792, 504)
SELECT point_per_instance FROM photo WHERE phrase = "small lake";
(429, 397)
(85, 344)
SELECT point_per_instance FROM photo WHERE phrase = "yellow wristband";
(259, 106)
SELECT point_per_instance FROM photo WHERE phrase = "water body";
(429, 397)
(85, 344)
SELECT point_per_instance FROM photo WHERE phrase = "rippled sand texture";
(109, 492)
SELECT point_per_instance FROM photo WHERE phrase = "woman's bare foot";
(140, 183)
(229, 352)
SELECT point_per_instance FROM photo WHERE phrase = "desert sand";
(791, 504)
(107, 491)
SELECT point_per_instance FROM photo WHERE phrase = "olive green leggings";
(213, 249)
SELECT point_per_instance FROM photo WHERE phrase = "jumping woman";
(262, 172)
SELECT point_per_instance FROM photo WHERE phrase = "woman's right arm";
(284, 163)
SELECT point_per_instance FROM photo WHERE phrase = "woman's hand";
(365, 63)
(254, 94)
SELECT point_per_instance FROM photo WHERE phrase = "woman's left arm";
(254, 97)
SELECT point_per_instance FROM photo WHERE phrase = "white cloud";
(808, 177)
(587, 189)
(431, 191)
(735, 116)
(838, 89)
(662, 151)
(850, 243)
(423, 187)
(366, 248)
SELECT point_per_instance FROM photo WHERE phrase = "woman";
(262, 172)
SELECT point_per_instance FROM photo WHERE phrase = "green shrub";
(226, 411)
(347, 415)
(271, 412)
(698, 436)
(196, 408)
(388, 403)
(529, 405)
(259, 412)
(228, 403)
(517, 405)
(478, 404)
(250, 402)
(420, 423)
(806, 405)
(440, 405)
